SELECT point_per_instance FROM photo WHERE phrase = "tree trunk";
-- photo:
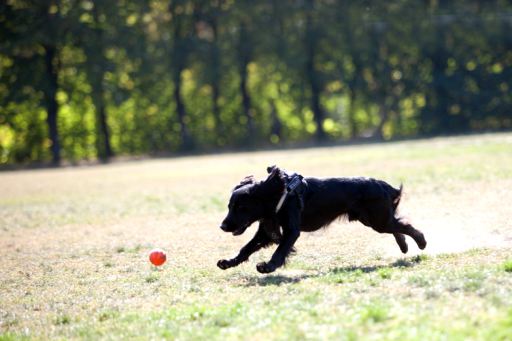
(219, 129)
(215, 80)
(312, 75)
(277, 126)
(179, 57)
(103, 147)
(352, 114)
(246, 102)
(244, 58)
(318, 113)
(50, 100)
(186, 140)
(353, 86)
(384, 116)
(435, 112)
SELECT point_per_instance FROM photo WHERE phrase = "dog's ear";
(248, 180)
(274, 171)
(275, 179)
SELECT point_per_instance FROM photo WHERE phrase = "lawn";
(74, 244)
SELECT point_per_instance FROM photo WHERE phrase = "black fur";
(372, 202)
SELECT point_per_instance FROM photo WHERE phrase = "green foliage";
(143, 77)
(503, 329)
(507, 266)
(62, 320)
(152, 278)
(374, 312)
(385, 273)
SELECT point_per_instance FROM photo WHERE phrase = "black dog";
(286, 204)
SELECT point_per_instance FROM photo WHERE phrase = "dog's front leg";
(291, 232)
(259, 240)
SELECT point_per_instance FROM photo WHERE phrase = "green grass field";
(74, 245)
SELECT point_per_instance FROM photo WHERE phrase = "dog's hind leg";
(260, 240)
(398, 227)
(400, 240)
(401, 226)
(381, 218)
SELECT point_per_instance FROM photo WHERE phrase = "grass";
(507, 265)
(74, 245)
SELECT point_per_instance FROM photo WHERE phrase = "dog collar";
(293, 183)
(281, 200)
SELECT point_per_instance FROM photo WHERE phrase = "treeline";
(84, 79)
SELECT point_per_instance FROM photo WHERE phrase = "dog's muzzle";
(224, 227)
(239, 231)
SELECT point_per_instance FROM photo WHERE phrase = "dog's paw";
(400, 240)
(224, 264)
(422, 243)
(265, 268)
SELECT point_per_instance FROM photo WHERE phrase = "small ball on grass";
(157, 257)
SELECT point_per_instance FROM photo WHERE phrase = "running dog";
(287, 204)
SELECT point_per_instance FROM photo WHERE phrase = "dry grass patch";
(74, 246)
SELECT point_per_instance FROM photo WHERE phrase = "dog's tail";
(397, 196)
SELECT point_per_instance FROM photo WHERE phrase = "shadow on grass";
(277, 280)
(400, 263)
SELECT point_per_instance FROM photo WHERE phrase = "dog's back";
(330, 198)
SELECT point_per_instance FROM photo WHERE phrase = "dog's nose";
(223, 226)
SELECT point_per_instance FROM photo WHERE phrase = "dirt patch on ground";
(452, 222)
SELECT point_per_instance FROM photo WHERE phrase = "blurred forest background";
(85, 79)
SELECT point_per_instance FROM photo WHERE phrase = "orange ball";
(157, 257)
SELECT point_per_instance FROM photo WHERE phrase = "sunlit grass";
(74, 246)
(507, 265)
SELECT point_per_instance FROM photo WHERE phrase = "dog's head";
(251, 201)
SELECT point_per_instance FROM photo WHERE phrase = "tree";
(38, 31)
(95, 44)
(210, 13)
(181, 28)
(81, 78)
(313, 78)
